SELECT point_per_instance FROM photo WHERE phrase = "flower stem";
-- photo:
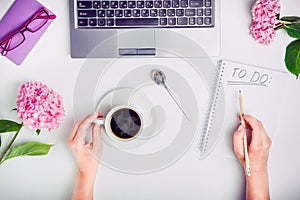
(281, 23)
(284, 22)
(9, 145)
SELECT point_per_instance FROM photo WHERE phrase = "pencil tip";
(240, 91)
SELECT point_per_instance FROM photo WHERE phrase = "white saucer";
(136, 99)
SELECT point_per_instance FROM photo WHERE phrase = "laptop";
(144, 28)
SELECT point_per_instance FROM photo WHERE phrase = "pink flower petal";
(39, 107)
(263, 20)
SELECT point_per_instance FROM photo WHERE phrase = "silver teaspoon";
(159, 78)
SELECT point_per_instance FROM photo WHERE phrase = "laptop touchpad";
(137, 42)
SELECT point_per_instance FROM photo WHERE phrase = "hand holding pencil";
(258, 148)
(257, 153)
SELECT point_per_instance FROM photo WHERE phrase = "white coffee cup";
(122, 123)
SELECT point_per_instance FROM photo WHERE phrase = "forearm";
(258, 186)
(84, 186)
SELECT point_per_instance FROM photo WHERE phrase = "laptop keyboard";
(155, 13)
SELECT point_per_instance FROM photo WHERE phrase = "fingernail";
(240, 127)
(99, 115)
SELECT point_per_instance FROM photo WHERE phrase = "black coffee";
(125, 123)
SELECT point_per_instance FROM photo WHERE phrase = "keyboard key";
(82, 22)
(190, 12)
(110, 22)
(114, 4)
(196, 3)
(105, 4)
(119, 13)
(137, 21)
(184, 3)
(182, 20)
(171, 21)
(136, 13)
(123, 4)
(149, 4)
(92, 22)
(207, 21)
(131, 4)
(84, 4)
(162, 12)
(166, 3)
(163, 21)
(110, 13)
(175, 4)
(179, 12)
(140, 4)
(145, 13)
(200, 12)
(86, 13)
(199, 20)
(101, 13)
(157, 4)
(127, 13)
(192, 21)
(153, 13)
(171, 12)
(207, 3)
(96, 4)
(101, 22)
(207, 12)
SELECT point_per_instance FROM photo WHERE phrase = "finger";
(96, 134)
(87, 122)
(246, 123)
(238, 141)
(257, 131)
(84, 127)
(254, 123)
(74, 130)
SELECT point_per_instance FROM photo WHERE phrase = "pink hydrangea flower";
(39, 107)
(263, 20)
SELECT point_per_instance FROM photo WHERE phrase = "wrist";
(86, 175)
(87, 170)
(258, 170)
(84, 185)
(258, 185)
(257, 175)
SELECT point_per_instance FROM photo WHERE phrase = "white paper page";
(262, 90)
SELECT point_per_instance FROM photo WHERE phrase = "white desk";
(52, 176)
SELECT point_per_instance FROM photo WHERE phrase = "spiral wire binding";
(212, 108)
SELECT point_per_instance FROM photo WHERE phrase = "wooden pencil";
(247, 162)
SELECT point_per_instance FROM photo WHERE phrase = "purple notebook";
(16, 16)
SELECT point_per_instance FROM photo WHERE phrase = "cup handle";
(99, 121)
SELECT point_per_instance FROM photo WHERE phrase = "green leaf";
(293, 30)
(291, 19)
(292, 57)
(29, 149)
(38, 131)
(9, 126)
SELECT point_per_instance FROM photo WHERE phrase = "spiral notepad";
(215, 115)
(260, 87)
